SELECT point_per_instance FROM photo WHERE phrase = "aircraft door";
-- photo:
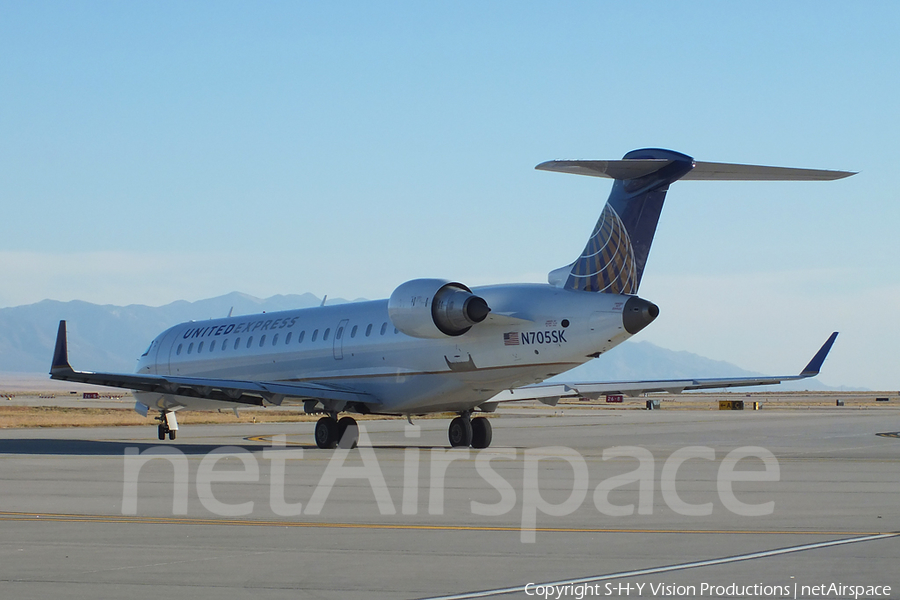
(339, 335)
(164, 353)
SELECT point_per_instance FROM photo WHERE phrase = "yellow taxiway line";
(129, 519)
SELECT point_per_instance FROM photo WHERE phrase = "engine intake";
(435, 308)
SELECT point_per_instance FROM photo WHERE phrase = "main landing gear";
(334, 433)
(344, 433)
(168, 425)
(475, 432)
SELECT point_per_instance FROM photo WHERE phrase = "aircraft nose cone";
(638, 313)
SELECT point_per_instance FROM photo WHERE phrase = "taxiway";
(65, 529)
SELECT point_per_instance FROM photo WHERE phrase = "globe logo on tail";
(607, 263)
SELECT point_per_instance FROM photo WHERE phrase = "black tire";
(460, 432)
(482, 432)
(326, 433)
(171, 434)
(161, 432)
(348, 426)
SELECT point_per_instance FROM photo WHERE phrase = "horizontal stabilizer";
(613, 169)
(703, 171)
(708, 171)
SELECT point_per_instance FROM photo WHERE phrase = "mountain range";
(110, 338)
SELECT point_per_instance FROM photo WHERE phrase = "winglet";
(812, 369)
(61, 352)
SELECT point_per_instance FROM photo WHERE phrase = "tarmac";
(405, 517)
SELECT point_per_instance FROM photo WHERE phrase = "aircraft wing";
(550, 393)
(225, 390)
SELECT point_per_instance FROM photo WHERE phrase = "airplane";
(437, 345)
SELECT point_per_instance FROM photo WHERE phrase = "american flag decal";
(511, 339)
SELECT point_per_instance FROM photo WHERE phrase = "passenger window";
(287, 338)
(200, 348)
(315, 335)
(340, 332)
(249, 341)
(237, 343)
(224, 344)
(396, 331)
(301, 336)
(369, 330)
(190, 347)
(383, 328)
(262, 341)
(275, 339)
(326, 334)
(212, 345)
(178, 352)
(353, 331)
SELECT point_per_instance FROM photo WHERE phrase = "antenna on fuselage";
(230, 310)
(324, 299)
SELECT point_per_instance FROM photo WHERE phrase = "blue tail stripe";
(614, 258)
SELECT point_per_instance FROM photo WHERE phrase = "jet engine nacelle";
(435, 308)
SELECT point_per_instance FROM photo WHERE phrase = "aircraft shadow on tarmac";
(108, 447)
(39, 446)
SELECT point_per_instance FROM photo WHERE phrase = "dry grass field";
(58, 416)
(66, 409)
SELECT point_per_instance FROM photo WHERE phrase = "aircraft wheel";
(171, 434)
(460, 432)
(161, 432)
(348, 432)
(326, 433)
(482, 432)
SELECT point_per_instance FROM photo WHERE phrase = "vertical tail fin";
(613, 259)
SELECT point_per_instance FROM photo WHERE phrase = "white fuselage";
(534, 331)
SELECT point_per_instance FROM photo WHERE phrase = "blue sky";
(153, 151)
